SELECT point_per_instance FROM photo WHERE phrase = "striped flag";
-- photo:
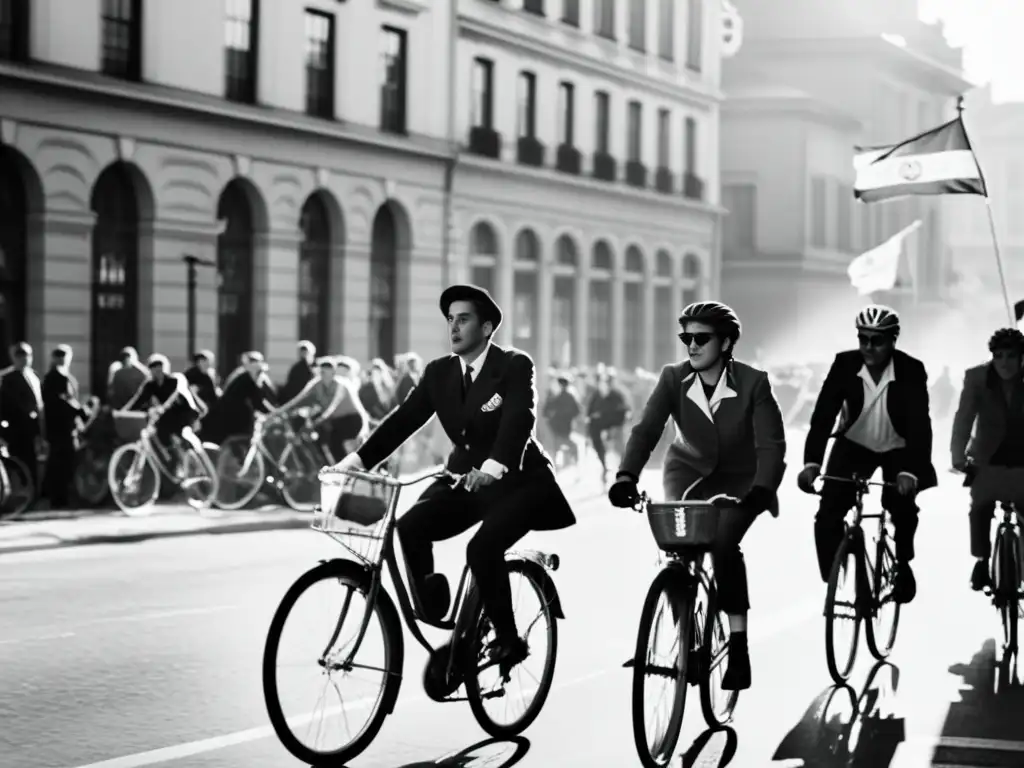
(877, 269)
(937, 162)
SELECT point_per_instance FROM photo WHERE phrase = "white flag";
(876, 270)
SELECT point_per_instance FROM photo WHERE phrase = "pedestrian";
(65, 415)
(21, 406)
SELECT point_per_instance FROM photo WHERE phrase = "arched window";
(526, 292)
(563, 314)
(483, 255)
(599, 309)
(633, 289)
(13, 255)
(384, 285)
(115, 258)
(235, 255)
(315, 272)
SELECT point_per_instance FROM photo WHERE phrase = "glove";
(970, 472)
(805, 480)
(624, 493)
(757, 500)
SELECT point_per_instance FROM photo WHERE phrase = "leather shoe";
(737, 676)
(507, 651)
(435, 597)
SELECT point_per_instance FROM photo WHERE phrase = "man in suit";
(21, 406)
(729, 440)
(64, 413)
(485, 398)
(882, 394)
(992, 408)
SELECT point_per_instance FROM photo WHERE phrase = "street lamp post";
(190, 264)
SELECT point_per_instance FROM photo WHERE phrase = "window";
(122, 39)
(392, 79)
(483, 93)
(819, 212)
(690, 149)
(571, 12)
(740, 226)
(534, 6)
(319, 64)
(527, 105)
(694, 34)
(667, 29)
(844, 218)
(604, 18)
(14, 30)
(664, 133)
(566, 113)
(635, 132)
(602, 120)
(241, 19)
(638, 25)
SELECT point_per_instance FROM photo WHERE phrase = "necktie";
(467, 381)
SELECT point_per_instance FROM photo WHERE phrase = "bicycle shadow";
(990, 708)
(845, 729)
(489, 753)
(714, 748)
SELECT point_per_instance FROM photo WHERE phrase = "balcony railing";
(605, 166)
(485, 142)
(569, 159)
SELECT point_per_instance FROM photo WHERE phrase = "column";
(420, 325)
(60, 285)
(652, 23)
(506, 84)
(354, 313)
(276, 297)
(163, 289)
(622, 23)
(647, 359)
(514, 5)
(581, 314)
(618, 317)
(506, 278)
(679, 28)
(587, 10)
(546, 289)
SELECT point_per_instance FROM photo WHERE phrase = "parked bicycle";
(358, 511)
(873, 577)
(18, 492)
(1005, 585)
(684, 597)
(137, 469)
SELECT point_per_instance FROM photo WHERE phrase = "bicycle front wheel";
(324, 708)
(90, 478)
(22, 490)
(300, 487)
(660, 666)
(133, 479)
(842, 614)
(240, 471)
(880, 631)
(1008, 588)
(716, 702)
(200, 480)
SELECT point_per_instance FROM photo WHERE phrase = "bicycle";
(133, 462)
(684, 532)
(292, 472)
(358, 511)
(20, 490)
(873, 583)
(1007, 570)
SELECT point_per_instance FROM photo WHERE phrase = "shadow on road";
(842, 727)
(490, 753)
(714, 748)
(990, 709)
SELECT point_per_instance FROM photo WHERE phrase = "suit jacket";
(20, 406)
(906, 398)
(979, 426)
(61, 405)
(738, 433)
(496, 421)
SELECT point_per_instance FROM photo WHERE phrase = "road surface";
(131, 655)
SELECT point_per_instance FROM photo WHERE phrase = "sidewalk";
(78, 528)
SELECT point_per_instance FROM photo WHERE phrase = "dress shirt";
(490, 466)
(873, 428)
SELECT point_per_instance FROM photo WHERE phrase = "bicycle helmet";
(877, 317)
(719, 316)
(1006, 338)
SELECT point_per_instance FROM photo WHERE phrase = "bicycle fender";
(388, 614)
(547, 584)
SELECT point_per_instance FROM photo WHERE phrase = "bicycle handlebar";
(720, 501)
(861, 483)
(379, 477)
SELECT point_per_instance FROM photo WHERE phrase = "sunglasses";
(872, 339)
(699, 338)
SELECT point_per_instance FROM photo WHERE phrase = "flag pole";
(995, 239)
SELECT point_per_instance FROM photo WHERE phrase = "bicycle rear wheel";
(1008, 589)
(716, 703)
(200, 483)
(90, 478)
(300, 488)
(133, 479)
(241, 472)
(22, 491)
(841, 610)
(880, 631)
(667, 606)
(323, 633)
(538, 626)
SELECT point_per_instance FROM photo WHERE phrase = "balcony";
(693, 186)
(663, 181)
(485, 142)
(605, 167)
(530, 151)
(636, 174)
(569, 159)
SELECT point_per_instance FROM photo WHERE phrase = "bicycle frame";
(258, 441)
(1009, 528)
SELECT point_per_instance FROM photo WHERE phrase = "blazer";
(739, 432)
(979, 426)
(906, 398)
(496, 421)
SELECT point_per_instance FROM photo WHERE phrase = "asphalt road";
(141, 654)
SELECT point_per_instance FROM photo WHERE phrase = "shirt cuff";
(911, 475)
(494, 469)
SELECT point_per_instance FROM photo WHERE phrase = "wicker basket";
(357, 513)
(683, 527)
(129, 425)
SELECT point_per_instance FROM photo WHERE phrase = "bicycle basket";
(356, 512)
(129, 425)
(683, 527)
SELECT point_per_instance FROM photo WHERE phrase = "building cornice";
(696, 95)
(757, 105)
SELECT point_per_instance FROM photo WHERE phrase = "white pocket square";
(491, 405)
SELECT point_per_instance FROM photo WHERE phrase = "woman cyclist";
(729, 440)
